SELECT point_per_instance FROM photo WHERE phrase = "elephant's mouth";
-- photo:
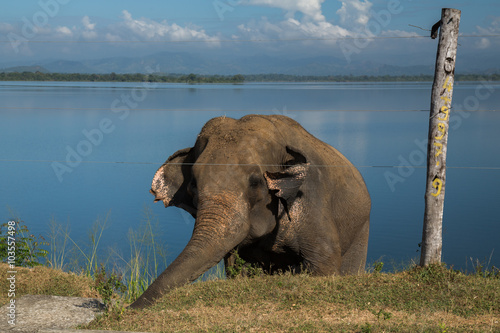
(159, 198)
(156, 196)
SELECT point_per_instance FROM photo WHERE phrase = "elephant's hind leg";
(354, 259)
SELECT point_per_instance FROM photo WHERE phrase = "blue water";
(76, 152)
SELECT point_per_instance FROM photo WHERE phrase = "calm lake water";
(108, 139)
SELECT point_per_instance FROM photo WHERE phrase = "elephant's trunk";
(220, 226)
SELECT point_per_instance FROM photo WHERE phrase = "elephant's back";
(319, 151)
(334, 165)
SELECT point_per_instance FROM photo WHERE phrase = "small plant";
(493, 273)
(443, 328)
(236, 269)
(482, 270)
(27, 248)
(378, 266)
(434, 273)
(106, 285)
(382, 314)
(479, 269)
(241, 267)
(366, 328)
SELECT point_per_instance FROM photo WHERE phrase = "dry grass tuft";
(42, 280)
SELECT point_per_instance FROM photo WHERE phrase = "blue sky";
(90, 29)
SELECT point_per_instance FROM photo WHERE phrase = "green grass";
(432, 299)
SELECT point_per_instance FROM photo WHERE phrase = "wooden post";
(442, 91)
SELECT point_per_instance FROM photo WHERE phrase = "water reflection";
(116, 176)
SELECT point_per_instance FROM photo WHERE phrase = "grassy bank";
(433, 299)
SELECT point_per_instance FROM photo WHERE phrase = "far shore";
(43, 75)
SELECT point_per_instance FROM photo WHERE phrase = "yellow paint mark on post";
(446, 111)
(446, 99)
(441, 128)
(438, 185)
(447, 84)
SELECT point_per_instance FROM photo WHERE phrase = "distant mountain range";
(185, 63)
(21, 69)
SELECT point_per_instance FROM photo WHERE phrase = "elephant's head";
(237, 178)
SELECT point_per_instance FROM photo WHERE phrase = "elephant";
(264, 186)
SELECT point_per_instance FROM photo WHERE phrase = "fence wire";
(252, 165)
(222, 110)
(240, 40)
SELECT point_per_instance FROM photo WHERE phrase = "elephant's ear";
(286, 184)
(170, 181)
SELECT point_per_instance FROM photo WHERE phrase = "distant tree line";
(114, 77)
(363, 78)
(193, 78)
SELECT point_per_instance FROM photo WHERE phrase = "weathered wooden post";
(442, 91)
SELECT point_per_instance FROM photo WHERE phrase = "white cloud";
(89, 32)
(64, 31)
(292, 29)
(310, 8)
(87, 24)
(152, 30)
(355, 14)
(483, 43)
(493, 29)
(312, 24)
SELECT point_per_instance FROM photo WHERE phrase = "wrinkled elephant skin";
(266, 187)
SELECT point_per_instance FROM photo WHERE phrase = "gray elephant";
(269, 189)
